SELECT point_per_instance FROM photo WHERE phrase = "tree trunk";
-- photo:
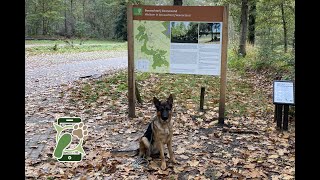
(26, 26)
(294, 40)
(285, 38)
(35, 25)
(83, 11)
(25, 18)
(48, 27)
(252, 22)
(72, 18)
(65, 19)
(177, 2)
(244, 24)
(43, 20)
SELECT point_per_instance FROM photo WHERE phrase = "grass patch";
(110, 87)
(59, 46)
(75, 41)
(141, 76)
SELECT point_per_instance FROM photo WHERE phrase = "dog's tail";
(130, 153)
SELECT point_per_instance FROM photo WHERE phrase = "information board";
(178, 39)
(283, 92)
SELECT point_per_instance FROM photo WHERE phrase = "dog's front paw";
(163, 165)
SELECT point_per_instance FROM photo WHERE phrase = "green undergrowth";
(274, 64)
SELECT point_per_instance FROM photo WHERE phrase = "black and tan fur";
(159, 132)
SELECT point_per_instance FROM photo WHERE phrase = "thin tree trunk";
(83, 11)
(43, 20)
(25, 18)
(252, 22)
(294, 40)
(25, 25)
(244, 24)
(72, 18)
(177, 2)
(35, 25)
(285, 38)
(48, 28)
(65, 19)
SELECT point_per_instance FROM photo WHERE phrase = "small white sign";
(283, 92)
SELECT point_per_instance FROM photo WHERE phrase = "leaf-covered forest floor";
(248, 147)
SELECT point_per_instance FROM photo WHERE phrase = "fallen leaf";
(193, 163)
(218, 174)
(292, 159)
(281, 152)
(252, 148)
(249, 166)
(213, 123)
(178, 169)
(215, 161)
(275, 177)
(270, 147)
(166, 172)
(61, 171)
(196, 145)
(255, 174)
(235, 161)
(274, 156)
(285, 176)
(152, 177)
(180, 150)
(128, 131)
(203, 137)
(106, 154)
(286, 135)
(184, 157)
(154, 165)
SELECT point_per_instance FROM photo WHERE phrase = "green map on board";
(152, 46)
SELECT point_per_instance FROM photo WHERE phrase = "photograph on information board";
(209, 33)
(184, 32)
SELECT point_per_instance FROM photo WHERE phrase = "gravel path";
(44, 71)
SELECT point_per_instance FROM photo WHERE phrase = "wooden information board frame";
(191, 13)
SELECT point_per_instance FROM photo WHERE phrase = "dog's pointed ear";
(170, 100)
(156, 102)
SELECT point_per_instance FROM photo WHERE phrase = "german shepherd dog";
(159, 132)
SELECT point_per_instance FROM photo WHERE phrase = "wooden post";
(202, 98)
(285, 117)
(131, 80)
(279, 116)
(275, 113)
(223, 73)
